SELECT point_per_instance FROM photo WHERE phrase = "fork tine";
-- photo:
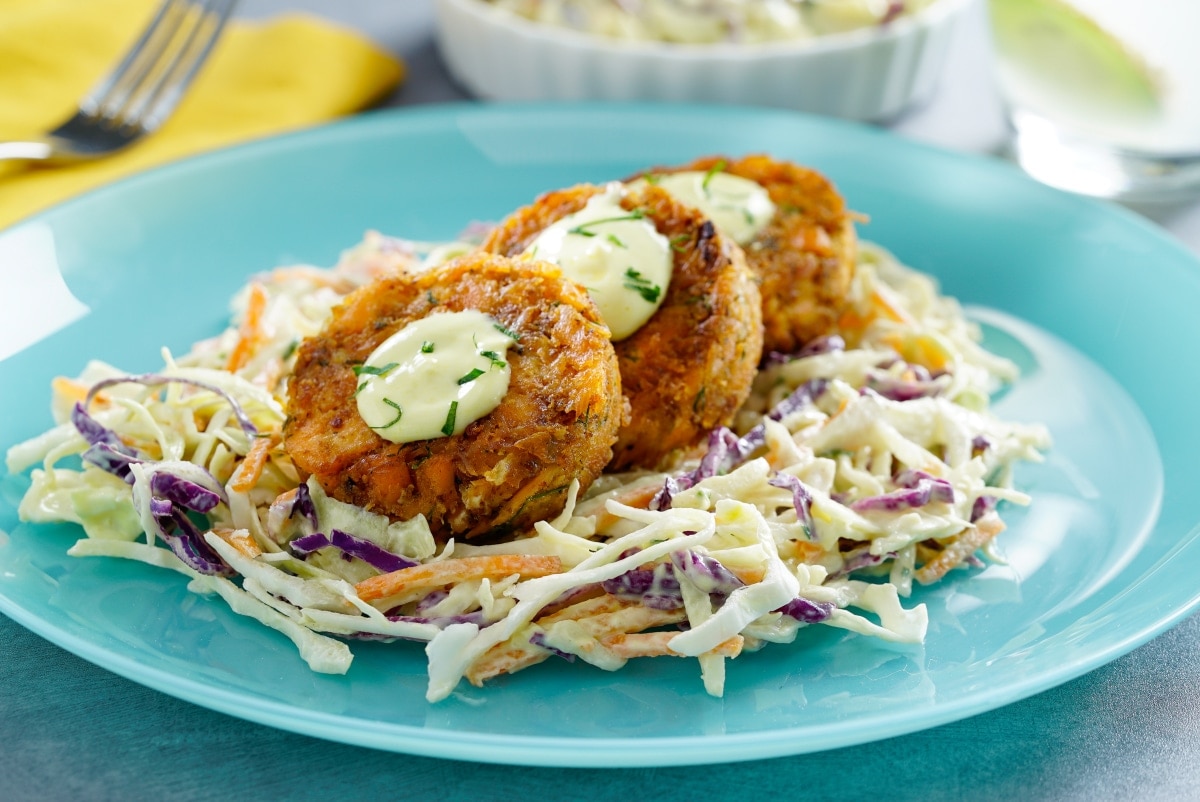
(108, 96)
(156, 105)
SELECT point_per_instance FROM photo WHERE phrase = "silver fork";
(141, 91)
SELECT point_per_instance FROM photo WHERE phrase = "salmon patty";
(556, 423)
(803, 258)
(688, 369)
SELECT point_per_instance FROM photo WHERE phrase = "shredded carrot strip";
(250, 331)
(933, 356)
(851, 321)
(750, 576)
(889, 308)
(286, 497)
(960, 548)
(69, 389)
(505, 658)
(251, 467)
(597, 605)
(75, 391)
(654, 644)
(638, 496)
(601, 617)
(434, 575)
(895, 341)
(582, 594)
(801, 551)
(240, 539)
(270, 375)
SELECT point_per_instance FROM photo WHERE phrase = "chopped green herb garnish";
(291, 349)
(395, 420)
(507, 332)
(448, 426)
(679, 242)
(698, 401)
(550, 492)
(427, 347)
(493, 357)
(652, 178)
(368, 370)
(429, 297)
(360, 388)
(582, 228)
(642, 286)
(708, 177)
(615, 240)
(470, 377)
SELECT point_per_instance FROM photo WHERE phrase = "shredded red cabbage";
(917, 489)
(105, 449)
(801, 500)
(112, 459)
(862, 558)
(184, 538)
(821, 345)
(442, 621)
(657, 588)
(352, 546)
(539, 639)
(184, 493)
(303, 505)
(430, 600)
(982, 506)
(806, 611)
(726, 450)
(705, 573)
(895, 389)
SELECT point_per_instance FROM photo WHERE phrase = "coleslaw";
(701, 22)
(863, 464)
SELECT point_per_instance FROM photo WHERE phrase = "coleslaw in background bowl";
(869, 73)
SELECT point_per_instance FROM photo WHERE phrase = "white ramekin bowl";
(869, 74)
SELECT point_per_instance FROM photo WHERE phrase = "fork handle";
(25, 150)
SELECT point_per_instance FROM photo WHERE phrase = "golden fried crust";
(804, 259)
(690, 367)
(557, 422)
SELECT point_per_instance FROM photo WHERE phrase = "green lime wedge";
(1069, 62)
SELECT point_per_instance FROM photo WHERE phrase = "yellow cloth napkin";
(260, 79)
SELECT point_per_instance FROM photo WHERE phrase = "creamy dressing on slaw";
(798, 516)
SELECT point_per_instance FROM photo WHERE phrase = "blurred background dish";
(869, 73)
(1102, 95)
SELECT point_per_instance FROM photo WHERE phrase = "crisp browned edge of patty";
(804, 259)
(557, 422)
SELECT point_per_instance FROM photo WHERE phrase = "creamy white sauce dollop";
(435, 376)
(616, 254)
(738, 206)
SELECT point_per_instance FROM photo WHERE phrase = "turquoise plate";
(1096, 306)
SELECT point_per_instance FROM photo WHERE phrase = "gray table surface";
(1129, 730)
